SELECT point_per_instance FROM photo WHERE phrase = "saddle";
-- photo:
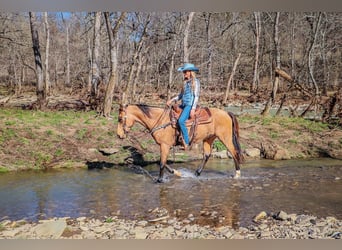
(202, 116)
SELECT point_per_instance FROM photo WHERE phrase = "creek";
(295, 186)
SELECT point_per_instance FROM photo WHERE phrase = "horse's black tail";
(236, 138)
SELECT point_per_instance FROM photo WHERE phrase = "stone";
(109, 151)
(281, 216)
(261, 216)
(281, 154)
(252, 152)
(220, 155)
(51, 229)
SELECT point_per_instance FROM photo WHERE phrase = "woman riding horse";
(189, 96)
(223, 126)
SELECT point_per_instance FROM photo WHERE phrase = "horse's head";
(124, 123)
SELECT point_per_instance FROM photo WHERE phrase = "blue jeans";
(181, 122)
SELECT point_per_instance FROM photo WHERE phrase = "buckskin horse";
(222, 125)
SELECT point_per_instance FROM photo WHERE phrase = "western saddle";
(202, 116)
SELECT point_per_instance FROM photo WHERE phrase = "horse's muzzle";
(122, 136)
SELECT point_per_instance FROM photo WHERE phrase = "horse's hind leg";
(207, 147)
(230, 147)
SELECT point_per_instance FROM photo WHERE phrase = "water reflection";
(214, 198)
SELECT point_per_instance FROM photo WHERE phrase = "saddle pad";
(203, 115)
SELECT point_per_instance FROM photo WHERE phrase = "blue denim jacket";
(188, 95)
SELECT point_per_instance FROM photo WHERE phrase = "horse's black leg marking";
(161, 173)
(201, 166)
(171, 171)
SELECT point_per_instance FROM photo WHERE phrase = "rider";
(189, 96)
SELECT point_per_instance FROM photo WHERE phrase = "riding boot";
(184, 146)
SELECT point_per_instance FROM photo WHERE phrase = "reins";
(155, 127)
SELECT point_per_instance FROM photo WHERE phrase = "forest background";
(269, 57)
(93, 61)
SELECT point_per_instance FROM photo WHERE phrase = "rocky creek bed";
(264, 226)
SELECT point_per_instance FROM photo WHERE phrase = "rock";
(51, 229)
(142, 223)
(253, 152)
(5, 223)
(261, 216)
(220, 155)
(281, 216)
(81, 219)
(281, 154)
(108, 151)
(11, 233)
(279, 226)
(140, 233)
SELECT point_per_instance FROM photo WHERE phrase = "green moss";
(3, 170)
(293, 141)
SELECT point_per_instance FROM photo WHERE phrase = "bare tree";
(177, 41)
(40, 91)
(231, 77)
(310, 53)
(314, 31)
(113, 47)
(95, 81)
(275, 84)
(47, 51)
(186, 37)
(207, 18)
(129, 90)
(255, 82)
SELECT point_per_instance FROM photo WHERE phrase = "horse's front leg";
(164, 153)
(206, 155)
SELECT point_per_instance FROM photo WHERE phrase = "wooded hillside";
(283, 58)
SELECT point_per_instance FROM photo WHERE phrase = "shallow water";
(215, 198)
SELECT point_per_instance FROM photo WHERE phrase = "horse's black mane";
(146, 109)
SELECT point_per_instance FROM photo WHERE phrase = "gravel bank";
(265, 226)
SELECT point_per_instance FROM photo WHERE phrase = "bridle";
(123, 119)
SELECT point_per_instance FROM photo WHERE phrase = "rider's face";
(187, 74)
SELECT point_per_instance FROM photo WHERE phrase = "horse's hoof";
(237, 174)
(177, 173)
(159, 180)
(197, 173)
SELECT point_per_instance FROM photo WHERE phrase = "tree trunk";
(186, 37)
(67, 80)
(231, 78)
(275, 84)
(310, 57)
(47, 50)
(113, 51)
(90, 64)
(255, 82)
(314, 99)
(41, 95)
(292, 42)
(95, 78)
(171, 69)
(209, 47)
(172, 63)
(127, 93)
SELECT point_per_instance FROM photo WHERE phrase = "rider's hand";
(192, 113)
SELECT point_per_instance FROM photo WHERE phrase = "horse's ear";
(122, 106)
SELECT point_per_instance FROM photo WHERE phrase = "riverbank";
(67, 139)
(265, 226)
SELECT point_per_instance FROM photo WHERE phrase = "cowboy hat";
(188, 66)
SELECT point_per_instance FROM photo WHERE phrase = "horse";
(223, 126)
